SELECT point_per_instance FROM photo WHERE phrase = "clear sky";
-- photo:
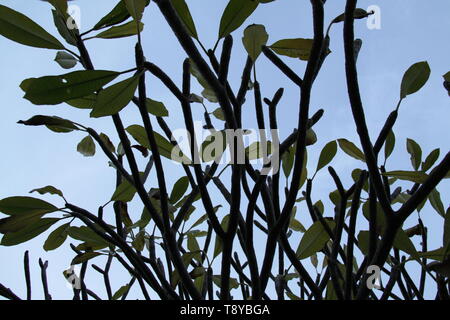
(411, 31)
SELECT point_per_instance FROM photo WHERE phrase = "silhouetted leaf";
(48, 189)
(124, 30)
(313, 240)
(351, 149)
(327, 154)
(57, 237)
(235, 14)
(431, 159)
(25, 206)
(416, 153)
(114, 98)
(414, 176)
(29, 232)
(57, 89)
(294, 48)
(179, 189)
(157, 108)
(255, 36)
(183, 12)
(19, 28)
(415, 78)
(85, 257)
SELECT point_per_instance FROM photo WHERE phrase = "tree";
(168, 250)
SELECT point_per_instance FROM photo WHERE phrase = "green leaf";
(208, 92)
(156, 108)
(184, 14)
(53, 90)
(218, 113)
(313, 240)
(327, 154)
(84, 102)
(446, 236)
(60, 22)
(135, 8)
(416, 153)
(192, 244)
(125, 192)
(179, 189)
(256, 150)
(124, 30)
(214, 146)
(288, 161)
(414, 78)
(294, 48)
(255, 37)
(437, 254)
(358, 14)
(65, 60)
(436, 202)
(53, 123)
(107, 142)
(351, 149)
(85, 257)
(218, 247)
(86, 147)
(114, 98)
(311, 137)
(414, 176)
(28, 233)
(234, 284)
(431, 159)
(402, 242)
(389, 145)
(25, 206)
(57, 237)
(48, 189)
(363, 241)
(447, 76)
(119, 293)
(19, 28)
(235, 14)
(164, 146)
(86, 235)
(117, 15)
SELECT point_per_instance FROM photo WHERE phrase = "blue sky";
(35, 157)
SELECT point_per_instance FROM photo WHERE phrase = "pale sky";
(34, 157)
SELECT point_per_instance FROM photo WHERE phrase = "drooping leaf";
(107, 142)
(183, 12)
(295, 48)
(124, 30)
(114, 98)
(84, 102)
(86, 147)
(255, 36)
(19, 28)
(288, 161)
(218, 113)
(86, 235)
(358, 14)
(256, 150)
(57, 89)
(327, 154)
(60, 22)
(351, 149)
(235, 14)
(65, 60)
(313, 240)
(218, 247)
(57, 237)
(29, 232)
(415, 78)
